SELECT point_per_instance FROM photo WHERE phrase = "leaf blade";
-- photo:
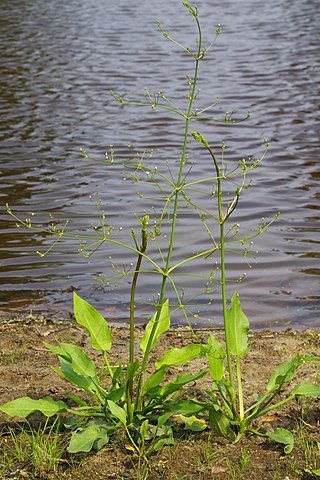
(216, 356)
(237, 327)
(180, 382)
(79, 360)
(306, 389)
(85, 440)
(283, 373)
(220, 423)
(117, 411)
(179, 356)
(282, 435)
(81, 381)
(191, 423)
(87, 316)
(24, 406)
(154, 380)
(163, 324)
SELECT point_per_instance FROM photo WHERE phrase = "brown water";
(59, 60)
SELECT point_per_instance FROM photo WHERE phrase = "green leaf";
(79, 401)
(76, 357)
(306, 389)
(164, 418)
(58, 351)
(100, 442)
(153, 381)
(87, 316)
(80, 362)
(185, 407)
(163, 325)
(71, 423)
(179, 356)
(24, 406)
(316, 472)
(80, 381)
(116, 394)
(220, 423)
(116, 379)
(89, 438)
(283, 373)
(144, 430)
(83, 441)
(169, 440)
(216, 355)
(282, 435)
(131, 369)
(117, 411)
(179, 382)
(191, 423)
(237, 327)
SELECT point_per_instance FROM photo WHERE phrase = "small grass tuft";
(32, 453)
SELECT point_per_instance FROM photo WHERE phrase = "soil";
(25, 368)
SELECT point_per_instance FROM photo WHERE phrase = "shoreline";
(26, 370)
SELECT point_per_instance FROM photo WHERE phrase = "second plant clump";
(147, 405)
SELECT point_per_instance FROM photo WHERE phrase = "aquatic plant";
(145, 405)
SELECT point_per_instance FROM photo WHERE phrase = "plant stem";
(131, 439)
(143, 247)
(240, 394)
(132, 307)
(178, 186)
(272, 407)
(261, 404)
(222, 220)
(106, 360)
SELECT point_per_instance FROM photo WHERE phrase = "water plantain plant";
(137, 396)
(228, 416)
(111, 403)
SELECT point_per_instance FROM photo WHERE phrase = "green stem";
(86, 408)
(222, 219)
(151, 104)
(135, 446)
(225, 400)
(262, 403)
(267, 410)
(132, 307)
(240, 394)
(177, 192)
(106, 361)
(100, 392)
(85, 414)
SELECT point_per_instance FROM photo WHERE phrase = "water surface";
(58, 62)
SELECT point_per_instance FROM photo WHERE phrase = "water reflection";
(59, 60)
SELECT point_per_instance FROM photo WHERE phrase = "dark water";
(58, 62)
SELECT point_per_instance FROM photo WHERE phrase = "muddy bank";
(25, 369)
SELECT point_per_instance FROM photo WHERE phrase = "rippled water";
(58, 62)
